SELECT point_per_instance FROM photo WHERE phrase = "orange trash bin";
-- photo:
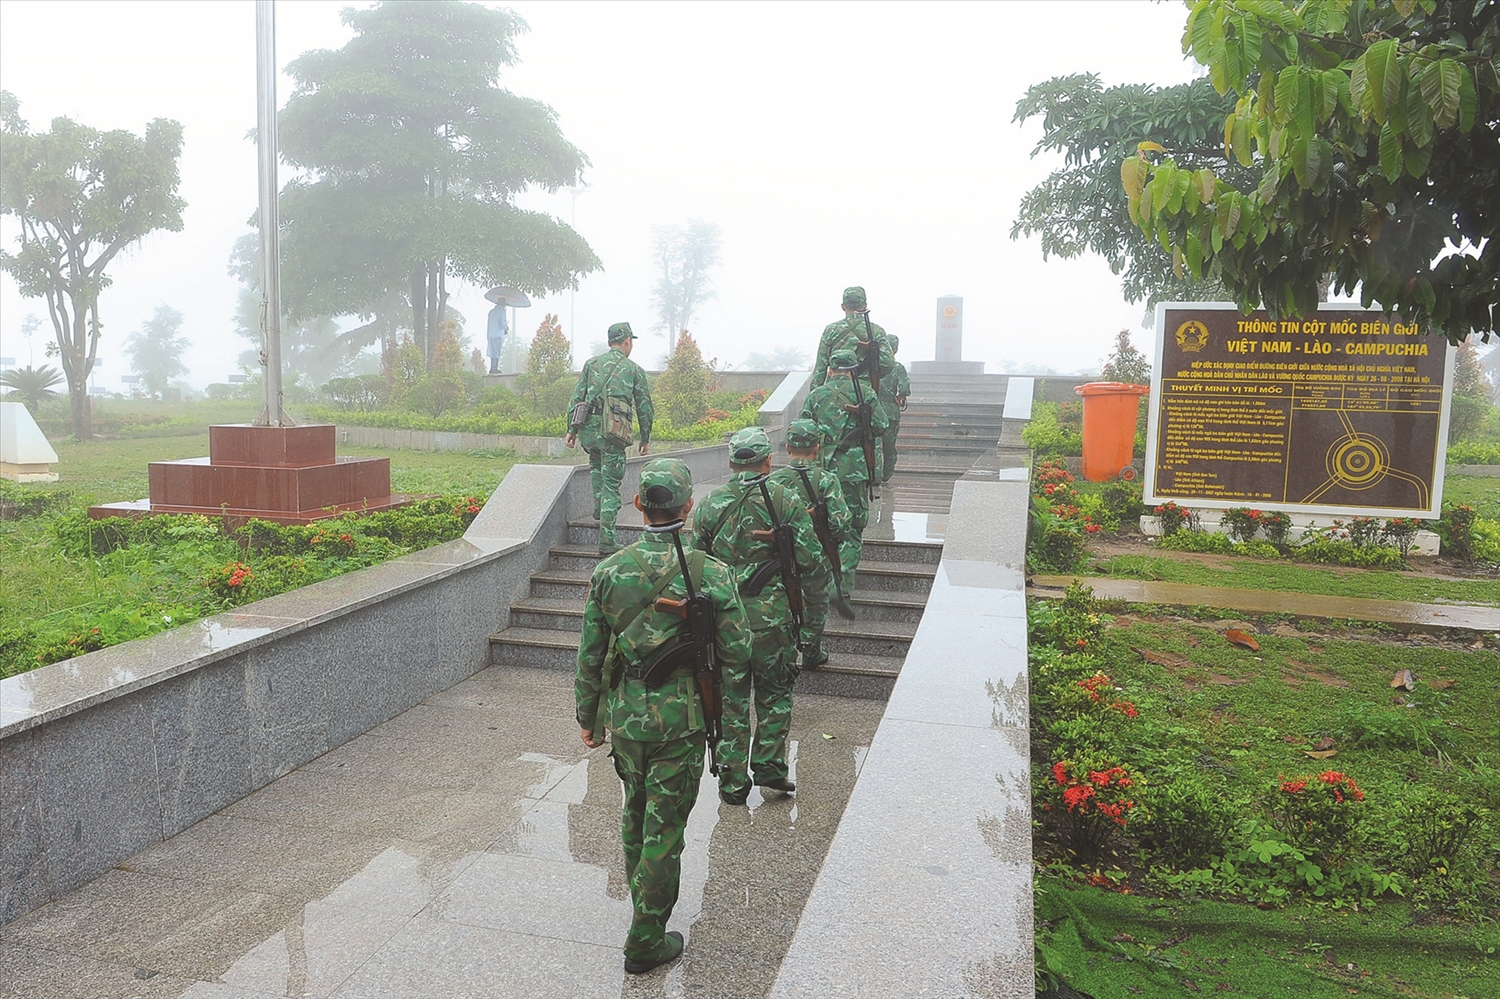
(1110, 411)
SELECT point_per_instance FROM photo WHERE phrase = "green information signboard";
(1344, 413)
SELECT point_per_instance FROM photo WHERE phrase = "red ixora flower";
(1060, 772)
(1077, 797)
(346, 538)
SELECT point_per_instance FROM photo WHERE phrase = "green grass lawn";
(1480, 492)
(1238, 722)
(1244, 572)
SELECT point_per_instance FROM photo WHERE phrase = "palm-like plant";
(33, 385)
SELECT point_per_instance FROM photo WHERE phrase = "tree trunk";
(433, 315)
(419, 308)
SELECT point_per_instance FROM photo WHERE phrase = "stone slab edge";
(926, 889)
(1486, 471)
(509, 520)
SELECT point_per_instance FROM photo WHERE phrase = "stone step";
(924, 553)
(896, 606)
(847, 673)
(895, 577)
(573, 557)
(547, 614)
(565, 584)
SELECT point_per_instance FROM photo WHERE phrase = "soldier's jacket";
(825, 487)
(722, 526)
(899, 384)
(840, 452)
(850, 332)
(611, 374)
(619, 585)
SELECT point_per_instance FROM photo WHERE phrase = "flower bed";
(1172, 761)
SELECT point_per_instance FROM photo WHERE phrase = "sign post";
(1343, 413)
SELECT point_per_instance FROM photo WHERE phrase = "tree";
(441, 387)
(1080, 208)
(1471, 393)
(681, 391)
(685, 253)
(551, 355)
(1372, 130)
(33, 385)
(313, 350)
(81, 196)
(1125, 363)
(779, 359)
(156, 350)
(413, 156)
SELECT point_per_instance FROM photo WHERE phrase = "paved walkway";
(1420, 617)
(469, 847)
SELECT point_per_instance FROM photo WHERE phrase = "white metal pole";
(272, 414)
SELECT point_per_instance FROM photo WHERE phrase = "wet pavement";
(469, 847)
(1401, 613)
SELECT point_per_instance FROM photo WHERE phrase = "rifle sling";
(658, 588)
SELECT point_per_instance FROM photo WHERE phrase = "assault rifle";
(863, 411)
(830, 544)
(784, 544)
(698, 610)
(871, 362)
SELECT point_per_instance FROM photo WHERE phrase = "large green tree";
(81, 196)
(156, 350)
(412, 155)
(1080, 207)
(1374, 133)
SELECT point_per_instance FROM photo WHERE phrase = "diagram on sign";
(1359, 462)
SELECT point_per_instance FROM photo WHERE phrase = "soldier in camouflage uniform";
(892, 395)
(841, 451)
(806, 477)
(724, 527)
(850, 332)
(658, 733)
(612, 377)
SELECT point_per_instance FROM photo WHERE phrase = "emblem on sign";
(949, 312)
(1192, 336)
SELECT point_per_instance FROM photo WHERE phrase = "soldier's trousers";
(661, 785)
(815, 616)
(888, 449)
(606, 472)
(851, 546)
(768, 678)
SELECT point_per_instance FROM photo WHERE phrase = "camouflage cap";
(854, 297)
(803, 434)
(894, 341)
(750, 446)
(620, 332)
(844, 357)
(666, 484)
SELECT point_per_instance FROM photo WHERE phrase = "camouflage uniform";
(842, 455)
(722, 527)
(610, 375)
(897, 386)
(848, 333)
(811, 482)
(657, 734)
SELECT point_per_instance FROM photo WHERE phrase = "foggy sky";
(835, 144)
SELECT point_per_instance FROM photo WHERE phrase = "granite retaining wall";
(110, 752)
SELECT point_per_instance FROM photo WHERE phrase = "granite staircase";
(890, 594)
(950, 420)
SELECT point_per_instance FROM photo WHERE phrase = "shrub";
(1401, 532)
(1208, 542)
(1361, 531)
(1320, 813)
(360, 393)
(1072, 624)
(1485, 541)
(1123, 500)
(1184, 823)
(1436, 829)
(1323, 547)
(1090, 803)
(1047, 435)
(681, 391)
(1241, 522)
(1174, 518)
(1276, 524)
(1474, 453)
(1456, 528)
(1057, 542)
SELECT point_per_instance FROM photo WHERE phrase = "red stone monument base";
(288, 475)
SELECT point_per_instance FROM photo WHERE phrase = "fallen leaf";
(1190, 985)
(1321, 754)
(1398, 700)
(1135, 991)
(1293, 740)
(1403, 678)
(827, 736)
(1163, 658)
(1122, 938)
(1441, 684)
(1238, 637)
(1328, 956)
(1324, 743)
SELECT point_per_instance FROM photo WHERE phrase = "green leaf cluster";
(1373, 128)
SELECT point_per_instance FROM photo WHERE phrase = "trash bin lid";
(1112, 388)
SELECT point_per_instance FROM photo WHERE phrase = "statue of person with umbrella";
(496, 326)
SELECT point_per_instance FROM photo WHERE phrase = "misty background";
(832, 144)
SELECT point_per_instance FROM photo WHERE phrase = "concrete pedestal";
(288, 475)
